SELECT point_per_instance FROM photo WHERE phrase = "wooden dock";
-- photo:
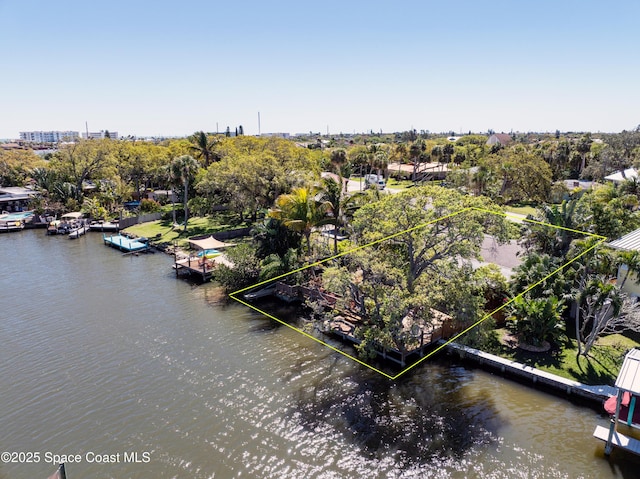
(618, 440)
(345, 324)
(201, 267)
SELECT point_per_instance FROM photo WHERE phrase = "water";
(105, 353)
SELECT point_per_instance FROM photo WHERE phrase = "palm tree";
(300, 212)
(554, 241)
(331, 195)
(182, 170)
(203, 147)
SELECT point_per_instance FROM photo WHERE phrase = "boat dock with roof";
(623, 407)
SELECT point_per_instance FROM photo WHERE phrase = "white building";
(99, 135)
(621, 176)
(629, 242)
(49, 136)
(278, 135)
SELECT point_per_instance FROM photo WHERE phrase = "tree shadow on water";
(417, 419)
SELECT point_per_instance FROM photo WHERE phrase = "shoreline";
(531, 376)
(527, 375)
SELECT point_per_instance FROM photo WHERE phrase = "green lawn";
(522, 210)
(601, 367)
(393, 183)
(166, 233)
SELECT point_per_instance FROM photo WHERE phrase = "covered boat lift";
(623, 407)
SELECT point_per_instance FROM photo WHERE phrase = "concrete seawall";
(530, 374)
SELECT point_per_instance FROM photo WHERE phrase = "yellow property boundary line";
(431, 353)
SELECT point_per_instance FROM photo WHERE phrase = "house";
(621, 176)
(15, 198)
(629, 242)
(578, 184)
(499, 139)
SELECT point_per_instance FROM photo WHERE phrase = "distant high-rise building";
(99, 135)
(49, 136)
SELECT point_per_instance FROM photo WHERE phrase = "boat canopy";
(209, 243)
(628, 384)
(72, 216)
(629, 377)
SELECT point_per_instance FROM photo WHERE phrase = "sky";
(172, 68)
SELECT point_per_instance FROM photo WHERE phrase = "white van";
(374, 181)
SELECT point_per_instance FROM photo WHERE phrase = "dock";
(621, 407)
(426, 337)
(618, 440)
(125, 244)
(201, 267)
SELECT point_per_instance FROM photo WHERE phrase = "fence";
(134, 220)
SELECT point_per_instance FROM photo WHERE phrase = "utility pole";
(259, 124)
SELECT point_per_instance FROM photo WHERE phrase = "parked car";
(374, 181)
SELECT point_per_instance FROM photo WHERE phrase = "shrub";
(149, 206)
(536, 320)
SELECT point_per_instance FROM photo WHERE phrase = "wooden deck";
(200, 267)
(618, 440)
(345, 324)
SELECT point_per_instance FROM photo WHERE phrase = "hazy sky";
(171, 68)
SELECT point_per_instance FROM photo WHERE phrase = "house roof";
(620, 176)
(502, 138)
(629, 242)
(629, 376)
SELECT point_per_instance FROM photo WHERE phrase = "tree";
(427, 248)
(331, 194)
(417, 156)
(182, 171)
(536, 320)
(608, 211)
(554, 240)
(522, 175)
(82, 161)
(539, 268)
(301, 212)
(244, 269)
(271, 236)
(602, 306)
(583, 147)
(15, 166)
(203, 147)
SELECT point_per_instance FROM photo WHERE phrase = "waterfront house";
(15, 198)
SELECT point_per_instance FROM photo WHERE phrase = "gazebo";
(623, 407)
(209, 243)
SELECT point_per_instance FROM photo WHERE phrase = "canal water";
(104, 355)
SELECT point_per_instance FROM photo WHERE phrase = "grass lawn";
(197, 226)
(393, 183)
(522, 210)
(601, 367)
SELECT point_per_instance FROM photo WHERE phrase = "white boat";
(79, 231)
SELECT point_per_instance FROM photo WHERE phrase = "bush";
(245, 270)
(537, 320)
(149, 206)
